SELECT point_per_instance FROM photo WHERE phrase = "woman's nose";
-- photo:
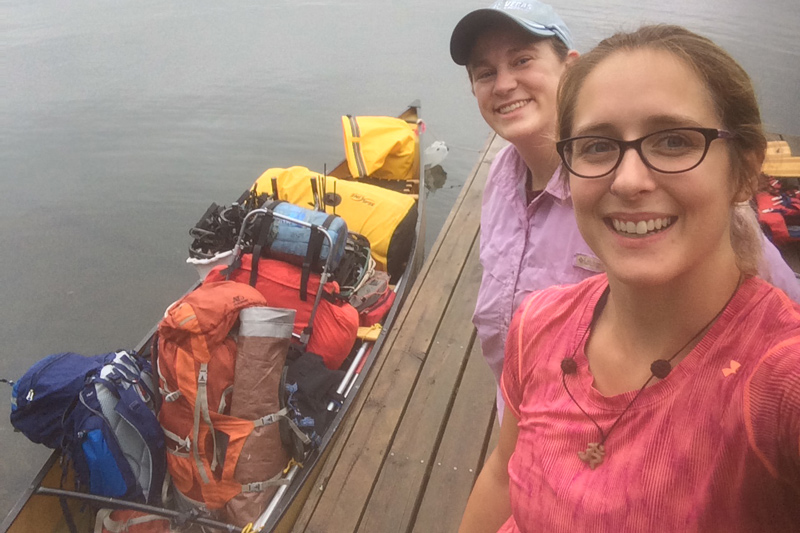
(505, 81)
(632, 176)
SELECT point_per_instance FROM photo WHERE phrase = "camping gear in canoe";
(334, 265)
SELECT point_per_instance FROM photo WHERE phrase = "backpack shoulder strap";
(261, 239)
(316, 240)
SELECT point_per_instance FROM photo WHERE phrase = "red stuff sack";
(378, 311)
(373, 299)
(335, 324)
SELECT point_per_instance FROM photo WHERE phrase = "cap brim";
(469, 27)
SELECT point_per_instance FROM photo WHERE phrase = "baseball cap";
(532, 16)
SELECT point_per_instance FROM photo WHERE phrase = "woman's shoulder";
(771, 311)
(771, 384)
(765, 332)
(507, 166)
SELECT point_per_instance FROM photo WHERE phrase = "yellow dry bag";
(380, 147)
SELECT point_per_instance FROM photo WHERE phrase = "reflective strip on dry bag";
(380, 147)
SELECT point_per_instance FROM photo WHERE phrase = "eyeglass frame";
(710, 135)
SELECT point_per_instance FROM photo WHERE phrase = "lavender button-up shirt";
(524, 248)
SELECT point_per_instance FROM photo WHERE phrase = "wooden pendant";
(594, 454)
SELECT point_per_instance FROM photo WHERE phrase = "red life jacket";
(778, 210)
(335, 324)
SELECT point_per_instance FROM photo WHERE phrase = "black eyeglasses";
(669, 151)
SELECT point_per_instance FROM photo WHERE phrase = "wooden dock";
(406, 457)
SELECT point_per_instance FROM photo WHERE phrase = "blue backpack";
(42, 397)
(118, 445)
(107, 428)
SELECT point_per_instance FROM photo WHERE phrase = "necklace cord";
(603, 434)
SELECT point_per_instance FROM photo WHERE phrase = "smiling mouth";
(504, 110)
(642, 227)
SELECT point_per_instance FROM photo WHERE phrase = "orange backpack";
(196, 358)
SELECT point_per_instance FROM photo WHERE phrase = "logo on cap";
(506, 4)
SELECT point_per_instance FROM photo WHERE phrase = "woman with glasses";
(515, 54)
(663, 395)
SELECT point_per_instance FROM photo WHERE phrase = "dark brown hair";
(734, 99)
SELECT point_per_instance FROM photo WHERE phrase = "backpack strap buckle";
(261, 486)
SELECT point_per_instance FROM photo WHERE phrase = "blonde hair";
(734, 99)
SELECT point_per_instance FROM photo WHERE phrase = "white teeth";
(643, 227)
(511, 107)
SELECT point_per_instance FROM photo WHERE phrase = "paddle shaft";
(123, 504)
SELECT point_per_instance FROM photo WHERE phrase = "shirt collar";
(556, 186)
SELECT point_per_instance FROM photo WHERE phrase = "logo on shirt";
(732, 370)
(588, 262)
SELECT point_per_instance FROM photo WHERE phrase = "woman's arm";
(777, 272)
(488, 506)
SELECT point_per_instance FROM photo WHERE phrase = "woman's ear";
(752, 170)
(572, 55)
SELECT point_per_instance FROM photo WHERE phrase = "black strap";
(275, 189)
(154, 370)
(312, 256)
(327, 225)
(67, 515)
(261, 240)
(230, 269)
(315, 242)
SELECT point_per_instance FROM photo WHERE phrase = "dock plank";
(394, 501)
(462, 450)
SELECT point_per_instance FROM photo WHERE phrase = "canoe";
(41, 506)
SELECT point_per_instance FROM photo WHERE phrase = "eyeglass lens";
(675, 150)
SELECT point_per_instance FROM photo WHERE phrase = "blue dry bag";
(301, 245)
